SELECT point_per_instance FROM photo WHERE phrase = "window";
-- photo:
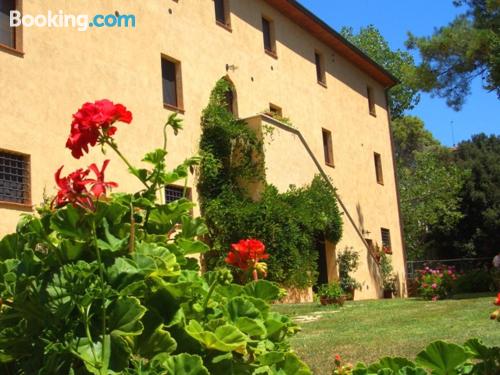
(320, 68)
(229, 100)
(14, 178)
(378, 168)
(269, 38)
(386, 237)
(222, 13)
(327, 147)
(274, 110)
(371, 101)
(10, 37)
(175, 192)
(172, 84)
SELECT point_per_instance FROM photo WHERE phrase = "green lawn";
(367, 330)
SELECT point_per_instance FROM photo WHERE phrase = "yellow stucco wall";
(63, 67)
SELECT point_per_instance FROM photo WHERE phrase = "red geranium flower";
(93, 120)
(73, 188)
(98, 185)
(246, 253)
(497, 302)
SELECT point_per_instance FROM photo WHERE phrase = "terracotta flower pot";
(350, 294)
(332, 301)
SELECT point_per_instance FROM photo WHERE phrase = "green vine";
(289, 223)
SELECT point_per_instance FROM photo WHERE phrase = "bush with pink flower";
(436, 282)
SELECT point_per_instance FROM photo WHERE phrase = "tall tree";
(429, 184)
(404, 96)
(454, 55)
(478, 233)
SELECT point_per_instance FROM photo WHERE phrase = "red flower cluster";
(246, 254)
(73, 188)
(90, 120)
(497, 302)
(387, 250)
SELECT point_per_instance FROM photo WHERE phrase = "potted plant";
(331, 294)
(348, 262)
(387, 275)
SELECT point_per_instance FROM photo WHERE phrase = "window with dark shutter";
(327, 147)
(371, 101)
(7, 33)
(378, 168)
(220, 11)
(320, 68)
(14, 178)
(171, 83)
(386, 237)
(268, 35)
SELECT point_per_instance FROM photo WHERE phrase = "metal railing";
(460, 264)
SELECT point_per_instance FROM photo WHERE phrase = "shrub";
(474, 281)
(332, 290)
(437, 282)
(348, 262)
(102, 284)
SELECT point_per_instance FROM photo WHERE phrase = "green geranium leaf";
(293, 365)
(241, 306)
(111, 242)
(393, 363)
(262, 289)
(9, 246)
(163, 218)
(442, 358)
(185, 364)
(150, 344)
(94, 356)
(68, 221)
(155, 157)
(125, 316)
(226, 338)
(189, 246)
(252, 327)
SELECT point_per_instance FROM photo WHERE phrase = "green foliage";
(404, 96)
(287, 223)
(332, 290)
(474, 281)
(387, 273)
(455, 54)
(440, 358)
(112, 291)
(348, 262)
(437, 282)
(477, 233)
(429, 183)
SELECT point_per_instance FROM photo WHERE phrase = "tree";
(429, 185)
(454, 55)
(404, 96)
(478, 233)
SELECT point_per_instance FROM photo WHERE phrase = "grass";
(364, 331)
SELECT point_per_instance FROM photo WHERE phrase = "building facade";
(279, 57)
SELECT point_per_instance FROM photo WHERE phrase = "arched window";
(230, 98)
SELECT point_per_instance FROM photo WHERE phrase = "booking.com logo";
(81, 21)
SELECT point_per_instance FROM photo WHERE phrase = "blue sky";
(481, 112)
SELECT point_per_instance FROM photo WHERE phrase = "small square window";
(10, 37)
(175, 192)
(14, 178)
(274, 110)
(378, 168)
(371, 101)
(327, 147)
(222, 13)
(269, 36)
(386, 237)
(171, 83)
(320, 68)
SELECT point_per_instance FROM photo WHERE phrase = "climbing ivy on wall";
(288, 223)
